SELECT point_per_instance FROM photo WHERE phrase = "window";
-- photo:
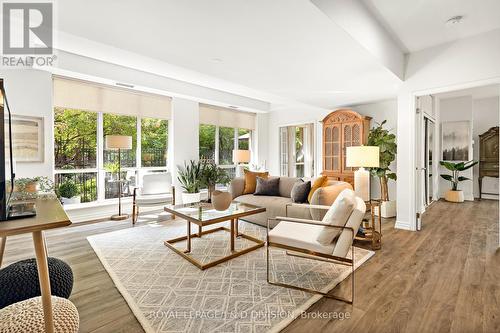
(217, 145)
(75, 150)
(297, 150)
(154, 143)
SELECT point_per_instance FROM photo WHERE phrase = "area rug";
(168, 294)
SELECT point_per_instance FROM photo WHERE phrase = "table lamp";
(119, 142)
(240, 156)
(362, 157)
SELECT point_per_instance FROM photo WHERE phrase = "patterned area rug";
(169, 294)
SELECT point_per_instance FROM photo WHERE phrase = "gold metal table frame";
(233, 230)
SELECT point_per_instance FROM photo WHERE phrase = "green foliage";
(212, 175)
(190, 176)
(154, 138)
(207, 141)
(112, 168)
(68, 189)
(226, 145)
(386, 141)
(455, 169)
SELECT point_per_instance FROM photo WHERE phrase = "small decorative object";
(212, 175)
(32, 188)
(221, 200)
(190, 177)
(240, 156)
(379, 136)
(456, 195)
(69, 192)
(456, 140)
(27, 138)
(119, 142)
(361, 157)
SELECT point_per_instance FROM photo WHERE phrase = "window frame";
(99, 169)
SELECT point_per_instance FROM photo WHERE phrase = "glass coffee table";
(203, 214)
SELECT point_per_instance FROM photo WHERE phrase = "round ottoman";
(27, 316)
(19, 281)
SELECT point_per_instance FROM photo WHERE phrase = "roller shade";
(82, 95)
(213, 115)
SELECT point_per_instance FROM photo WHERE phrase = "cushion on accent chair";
(267, 186)
(251, 180)
(337, 215)
(320, 181)
(300, 191)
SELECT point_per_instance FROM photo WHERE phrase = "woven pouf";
(27, 316)
(19, 281)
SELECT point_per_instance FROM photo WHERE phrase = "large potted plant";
(69, 192)
(386, 141)
(456, 195)
(213, 175)
(190, 177)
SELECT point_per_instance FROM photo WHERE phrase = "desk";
(50, 215)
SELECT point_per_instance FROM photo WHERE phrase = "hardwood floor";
(444, 278)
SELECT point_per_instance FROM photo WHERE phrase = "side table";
(373, 230)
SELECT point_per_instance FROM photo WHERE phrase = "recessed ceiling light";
(232, 107)
(126, 85)
(217, 60)
(455, 20)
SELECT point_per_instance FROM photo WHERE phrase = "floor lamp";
(362, 157)
(119, 142)
(240, 156)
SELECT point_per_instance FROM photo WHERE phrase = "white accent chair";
(328, 240)
(156, 190)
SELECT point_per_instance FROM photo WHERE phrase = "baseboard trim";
(403, 225)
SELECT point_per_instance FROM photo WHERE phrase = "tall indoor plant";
(190, 177)
(456, 195)
(386, 141)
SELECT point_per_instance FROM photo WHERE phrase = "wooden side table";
(49, 215)
(373, 233)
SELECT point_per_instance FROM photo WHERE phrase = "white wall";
(29, 93)
(379, 111)
(485, 116)
(456, 109)
(457, 65)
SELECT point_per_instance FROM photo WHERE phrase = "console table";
(50, 215)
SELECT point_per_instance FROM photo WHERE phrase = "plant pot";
(221, 200)
(71, 201)
(188, 198)
(387, 209)
(454, 196)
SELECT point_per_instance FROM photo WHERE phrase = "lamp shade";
(118, 142)
(241, 156)
(362, 157)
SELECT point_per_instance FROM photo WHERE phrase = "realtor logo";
(27, 28)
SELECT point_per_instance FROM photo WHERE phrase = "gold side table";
(373, 232)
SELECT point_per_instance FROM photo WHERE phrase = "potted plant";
(190, 177)
(456, 195)
(212, 175)
(32, 188)
(379, 136)
(69, 193)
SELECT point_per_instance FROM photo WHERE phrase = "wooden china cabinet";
(488, 157)
(341, 129)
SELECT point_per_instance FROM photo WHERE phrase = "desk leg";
(43, 276)
(3, 240)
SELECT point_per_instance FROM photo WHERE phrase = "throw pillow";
(268, 186)
(300, 191)
(320, 181)
(250, 180)
(337, 215)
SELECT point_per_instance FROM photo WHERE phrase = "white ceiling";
(283, 47)
(419, 24)
(475, 93)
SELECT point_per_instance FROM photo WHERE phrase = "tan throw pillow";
(337, 215)
(320, 181)
(251, 180)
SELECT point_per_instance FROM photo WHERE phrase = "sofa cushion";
(337, 215)
(286, 185)
(267, 186)
(320, 181)
(251, 180)
(300, 191)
